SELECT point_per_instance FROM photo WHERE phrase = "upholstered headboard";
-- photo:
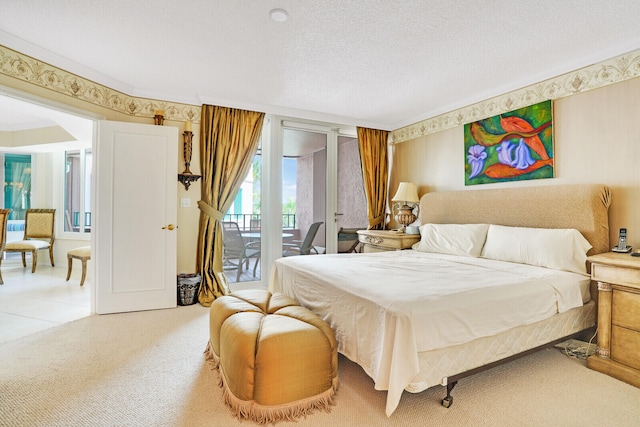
(584, 207)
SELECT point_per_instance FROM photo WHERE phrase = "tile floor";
(31, 302)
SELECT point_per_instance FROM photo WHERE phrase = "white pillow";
(452, 239)
(556, 248)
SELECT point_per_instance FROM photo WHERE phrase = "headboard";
(584, 207)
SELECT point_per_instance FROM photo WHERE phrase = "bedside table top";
(616, 259)
(386, 240)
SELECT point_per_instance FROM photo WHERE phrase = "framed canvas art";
(512, 146)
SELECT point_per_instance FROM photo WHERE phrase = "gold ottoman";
(276, 359)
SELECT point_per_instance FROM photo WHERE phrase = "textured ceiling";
(381, 64)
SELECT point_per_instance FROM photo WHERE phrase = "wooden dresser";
(618, 350)
(386, 240)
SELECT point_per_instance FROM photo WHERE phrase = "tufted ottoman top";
(277, 360)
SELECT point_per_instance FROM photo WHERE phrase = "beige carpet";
(148, 369)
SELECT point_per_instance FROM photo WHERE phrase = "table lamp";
(406, 199)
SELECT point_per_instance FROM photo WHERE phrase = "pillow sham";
(558, 249)
(452, 239)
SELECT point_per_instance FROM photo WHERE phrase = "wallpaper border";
(605, 73)
(23, 67)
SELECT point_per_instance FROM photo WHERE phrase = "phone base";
(624, 251)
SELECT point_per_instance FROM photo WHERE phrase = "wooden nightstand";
(385, 240)
(618, 351)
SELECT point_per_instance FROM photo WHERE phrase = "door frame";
(71, 110)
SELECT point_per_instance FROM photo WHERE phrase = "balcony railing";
(248, 222)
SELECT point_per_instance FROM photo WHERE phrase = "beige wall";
(596, 140)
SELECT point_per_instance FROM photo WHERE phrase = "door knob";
(169, 227)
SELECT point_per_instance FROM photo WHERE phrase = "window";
(77, 191)
(17, 182)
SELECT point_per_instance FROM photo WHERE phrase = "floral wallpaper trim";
(592, 77)
(28, 69)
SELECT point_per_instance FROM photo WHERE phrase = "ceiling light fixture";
(279, 15)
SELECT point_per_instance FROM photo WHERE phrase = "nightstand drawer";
(369, 249)
(625, 310)
(625, 346)
(384, 240)
(617, 275)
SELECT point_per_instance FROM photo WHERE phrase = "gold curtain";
(375, 173)
(228, 143)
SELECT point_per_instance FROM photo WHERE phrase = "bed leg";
(448, 400)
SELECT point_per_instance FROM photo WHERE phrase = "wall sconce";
(406, 199)
(158, 119)
(186, 177)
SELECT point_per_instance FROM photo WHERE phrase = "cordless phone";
(622, 242)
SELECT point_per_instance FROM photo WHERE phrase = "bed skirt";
(437, 365)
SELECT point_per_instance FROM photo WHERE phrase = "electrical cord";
(580, 351)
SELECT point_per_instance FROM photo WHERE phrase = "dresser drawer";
(625, 309)
(625, 346)
(616, 275)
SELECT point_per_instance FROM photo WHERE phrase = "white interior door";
(134, 252)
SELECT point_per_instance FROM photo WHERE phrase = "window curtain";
(374, 157)
(229, 140)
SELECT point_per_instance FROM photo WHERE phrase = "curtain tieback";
(375, 221)
(210, 211)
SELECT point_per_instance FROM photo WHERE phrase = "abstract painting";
(513, 146)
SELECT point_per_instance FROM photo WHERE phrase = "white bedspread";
(386, 307)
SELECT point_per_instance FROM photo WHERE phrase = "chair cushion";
(277, 360)
(81, 252)
(26, 245)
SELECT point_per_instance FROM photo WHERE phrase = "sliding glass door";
(351, 200)
(305, 182)
(304, 191)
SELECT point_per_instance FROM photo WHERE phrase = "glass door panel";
(304, 191)
(352, 203)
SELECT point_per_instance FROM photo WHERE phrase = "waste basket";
(188, 287)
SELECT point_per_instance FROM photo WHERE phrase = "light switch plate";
(185, 202)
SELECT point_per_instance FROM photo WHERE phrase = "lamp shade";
(407, 192)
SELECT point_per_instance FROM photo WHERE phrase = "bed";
(497, 273)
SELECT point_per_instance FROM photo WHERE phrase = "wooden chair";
(83, 254)
(4, 216)
(39, 233)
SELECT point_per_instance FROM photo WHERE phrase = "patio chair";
(302, 247)
(235, 248)
(348, 240)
